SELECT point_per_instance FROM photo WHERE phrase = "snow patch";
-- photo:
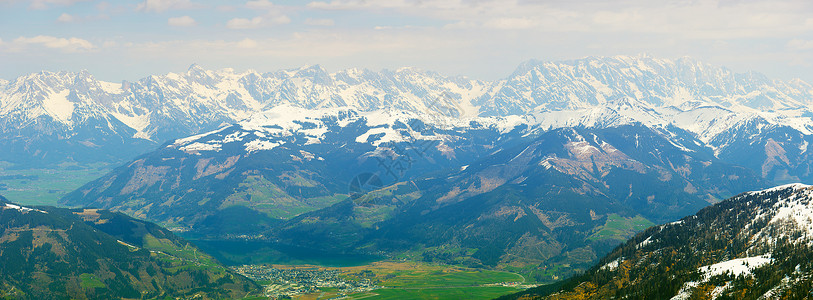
(258, 145)
(612, 265)
(647, 241)
(197, 147)
(139, 123)
(110, 87)
(735, 267)
(795, 186)
(685, 291)
(22, 208)
(59, 106)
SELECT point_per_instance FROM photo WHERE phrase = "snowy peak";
(590, 92)
(295, 126)
(591, 81)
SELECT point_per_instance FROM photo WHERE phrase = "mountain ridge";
(755, 245)
(53, 253)
(158, 108)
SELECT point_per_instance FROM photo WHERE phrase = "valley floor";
(46, 186)
(383, 280)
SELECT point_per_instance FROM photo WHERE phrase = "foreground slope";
(54, 253)
(757, 245)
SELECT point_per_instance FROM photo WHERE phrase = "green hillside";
(53, 253)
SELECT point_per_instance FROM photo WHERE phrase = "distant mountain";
(51, 117)
(242, 179)
(50, 253)
(560, 200)
(753, 246)
(365, 161)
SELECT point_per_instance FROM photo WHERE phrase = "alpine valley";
(541, 173)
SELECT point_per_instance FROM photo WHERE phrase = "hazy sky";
(482, 39)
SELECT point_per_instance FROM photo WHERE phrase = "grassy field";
(415, 280)
(189, 256)
(620, 228)
(46, 186)
(90, 281)
(437, 293)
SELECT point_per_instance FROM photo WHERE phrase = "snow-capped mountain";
(288, 154)
(724, 110)
(57, 107)
(286, 161)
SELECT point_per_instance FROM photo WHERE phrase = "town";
(286, 282)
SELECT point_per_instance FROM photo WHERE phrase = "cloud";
(165, 5)
(46, 4)
(319, 22)
(242, 23)
(259, 4)
(72, 44)
(184, 21)
(800, 45)
(353, 5)
(257, 22)
(713, 19)
(66, 18)
(226, 8)
(247, 44)
(278, 20)
(512, 23)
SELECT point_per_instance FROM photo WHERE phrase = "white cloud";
(72, 44)
(242, 23)
(184, 21)
(247, 44)
(46, 4)
(713, 19)
(165, 5)
(260, 4)
(800, 45)
(257, 22)
(278, 19)
(66, 18)
(226, 8)
(357, 4)
(319, 22)
(511, 23)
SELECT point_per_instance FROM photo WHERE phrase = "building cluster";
(279, 283)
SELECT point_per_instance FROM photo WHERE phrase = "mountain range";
(542, 172)
(53, 117)
(753, 246)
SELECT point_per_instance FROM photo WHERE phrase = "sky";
(481, 39)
